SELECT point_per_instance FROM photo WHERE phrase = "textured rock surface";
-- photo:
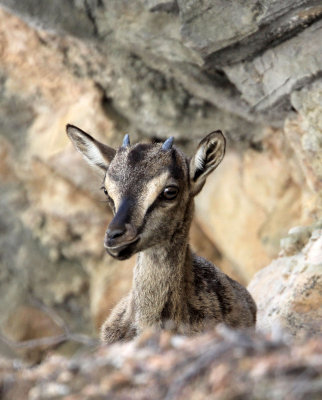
(270, 77)
(164, 367)
(160, 79)
(292, 297)
(259, 196)
(152, 68)
(305, 134)
(228, 33)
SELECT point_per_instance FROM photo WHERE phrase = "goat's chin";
(123, 252)
(122, 255)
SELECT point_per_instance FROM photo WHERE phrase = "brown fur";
(172, 287)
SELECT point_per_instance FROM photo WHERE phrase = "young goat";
(151, 190)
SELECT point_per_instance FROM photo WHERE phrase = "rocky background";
(154, 69)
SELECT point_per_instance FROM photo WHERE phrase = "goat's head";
(149, 187)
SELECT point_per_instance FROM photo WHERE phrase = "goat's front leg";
(119, 325)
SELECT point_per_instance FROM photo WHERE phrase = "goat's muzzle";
(120, 241)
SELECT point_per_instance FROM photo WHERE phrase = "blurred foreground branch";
(48, 341)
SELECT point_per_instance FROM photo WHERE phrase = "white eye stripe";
(153, 189)
(113, 191)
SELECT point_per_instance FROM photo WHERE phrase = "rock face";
(259, 196)
(153, 69)
(292, 297)
(195, 75)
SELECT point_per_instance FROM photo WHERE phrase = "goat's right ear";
(94, 152)
(209, 154)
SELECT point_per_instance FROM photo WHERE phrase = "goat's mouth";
(122, 251)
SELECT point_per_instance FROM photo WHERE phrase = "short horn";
(168, 144)
(126, 141)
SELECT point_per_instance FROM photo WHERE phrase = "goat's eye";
(170, 192)
(105, 191)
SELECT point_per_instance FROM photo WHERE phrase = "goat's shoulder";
(211, 285)
(229, 297)
(205, 273)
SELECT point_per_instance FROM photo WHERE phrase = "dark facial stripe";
(123, 214)
(176, 169)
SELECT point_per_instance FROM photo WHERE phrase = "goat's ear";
(94, 152)
(210, 152)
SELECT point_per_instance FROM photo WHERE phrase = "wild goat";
(151, 190)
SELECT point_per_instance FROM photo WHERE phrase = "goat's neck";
(162, 277)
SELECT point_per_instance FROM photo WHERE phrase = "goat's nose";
(115, 231)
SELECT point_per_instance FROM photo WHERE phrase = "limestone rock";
(227, 33)
(252, 200)
(190, 65)
(268, 78)
(230, 220)
(305, 133)
(292, 298)
(66, 15)
(162, 5)
(202, 245)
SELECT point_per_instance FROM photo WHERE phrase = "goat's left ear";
(209, 154)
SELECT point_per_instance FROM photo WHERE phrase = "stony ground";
(216, 365)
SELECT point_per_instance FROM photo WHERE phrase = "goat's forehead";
(145, 161)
